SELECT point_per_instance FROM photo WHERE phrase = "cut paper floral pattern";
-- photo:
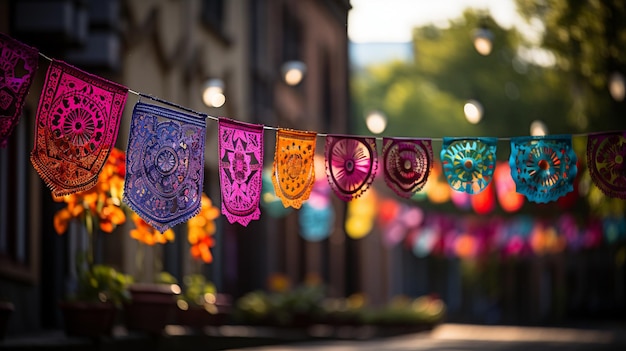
(606, 159)
(77, 123)
(241, 169)
(542, 167)
(164, 165)
(468, 163)
(407, 164)
(294, 171)
(18, 63)
(351, 165)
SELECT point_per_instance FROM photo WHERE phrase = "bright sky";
(393, 20)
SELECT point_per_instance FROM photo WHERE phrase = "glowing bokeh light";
(376, 122)
(483, 41)
(293, 72)
(473, 111)
(617, 86)
(538, 128)
(213, 93)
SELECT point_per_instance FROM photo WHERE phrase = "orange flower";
(146, 234)
(201, 249)
(101, 202)
(61, 220)
(200, 230)
(110, 217)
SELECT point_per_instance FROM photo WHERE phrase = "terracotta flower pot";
(152, 307)
(90, 319)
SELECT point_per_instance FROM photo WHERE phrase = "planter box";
(152, 307)
(198, 316)
(6, 309)
(89, 319)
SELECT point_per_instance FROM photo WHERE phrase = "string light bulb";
(473, 111)
(376, 122)
(538, 128)
(293, 72)
(617, 86)
(483, 41)
(213, 93)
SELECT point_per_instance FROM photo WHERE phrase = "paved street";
(455, 337)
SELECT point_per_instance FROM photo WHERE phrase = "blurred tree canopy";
(425, 98)
(588, 38)
(584, 41)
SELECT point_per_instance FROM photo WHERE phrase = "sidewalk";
(459, 337)
(445, 337)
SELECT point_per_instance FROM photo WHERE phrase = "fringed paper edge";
(292, 202)
(161, 226)
(368, 182)
(58, 191)
(392, 185)
(244, 221)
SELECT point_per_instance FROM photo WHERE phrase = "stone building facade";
(169, 48)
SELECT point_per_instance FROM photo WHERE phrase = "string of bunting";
(78, 120)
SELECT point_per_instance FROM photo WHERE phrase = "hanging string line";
(323, 135)
(180, 107)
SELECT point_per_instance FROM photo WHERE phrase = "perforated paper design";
(164, 165)
(468, 163)
(77, 124)
(351, 164)
(543, 167)
(606, 159)
(407, 164)
(18, 63)
(241, 169)
(294, 172)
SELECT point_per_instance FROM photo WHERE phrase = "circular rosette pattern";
(164, 162)
(468, 164)
(407, 164)
(543, 168)
(78, 125)
(164, 165)
(294, 172)
(351, 165)
(606, 159)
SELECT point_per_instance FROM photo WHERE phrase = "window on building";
(213, 15)
(16, 222)
(291, 36)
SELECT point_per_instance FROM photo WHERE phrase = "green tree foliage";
(425, 98)
(588, 38)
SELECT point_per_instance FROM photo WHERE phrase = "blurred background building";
(176, 49)
(172, 50)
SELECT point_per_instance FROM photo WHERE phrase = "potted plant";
(350, 311)
(152, 306)
(404, 314)
(92, 310)
(253, 308)
(283, 306)
(153, 300)
(99, 290)
(200, 305)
